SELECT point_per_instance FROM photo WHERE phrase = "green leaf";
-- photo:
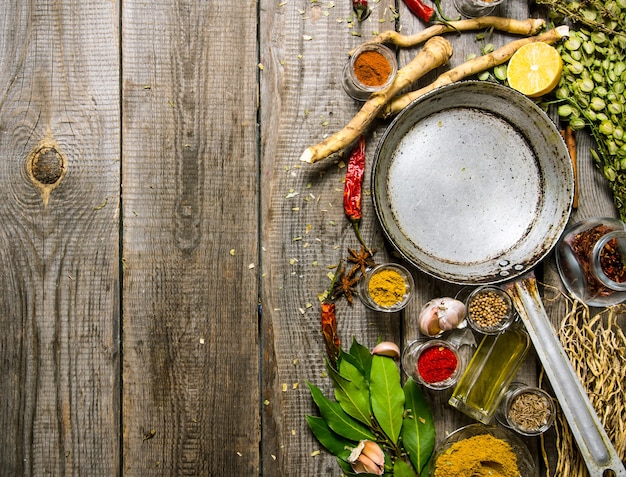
(334, 443)
(351, 391)
(403, 469)
(387, 396)
(418, 429)
(362, 357)
(337, 419)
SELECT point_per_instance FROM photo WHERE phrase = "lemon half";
(535, 69)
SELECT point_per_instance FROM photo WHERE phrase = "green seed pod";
(500, 72)
(577, 124)
(621, 4)
(572, 43)
(589, 14)
(609, 173)
(586, 85)
(565, 110)
(589, 47)
(601, 91)
(597, 77)
(598, 37)
(622, 164)
(606, 128)
(602, 117)
(575, 68)
(597, 104)
(618, 87)
(619, 68)
(576, 55)
(612, 147)
(618, 133)
(615, 108)
(562, 93)
(567, 58)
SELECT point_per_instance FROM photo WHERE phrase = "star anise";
(345, 285)
(362, 260)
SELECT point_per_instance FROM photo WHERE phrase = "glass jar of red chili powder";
(371, 68)
(591, 259)
(436, 364)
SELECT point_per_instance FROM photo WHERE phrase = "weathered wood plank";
(304, 46)
(190, 381)
(59, 309)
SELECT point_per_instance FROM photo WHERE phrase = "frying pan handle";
(593, 442)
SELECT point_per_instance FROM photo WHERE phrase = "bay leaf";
(362, 357)
(351, 391)
(387, 396)
(337, 419)
(418, 428)
(403, 469)
(333, 443)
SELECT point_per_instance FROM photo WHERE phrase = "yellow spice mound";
(482, 455)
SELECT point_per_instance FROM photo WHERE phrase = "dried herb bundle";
(596, 346)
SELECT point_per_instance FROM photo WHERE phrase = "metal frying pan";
(473, 184)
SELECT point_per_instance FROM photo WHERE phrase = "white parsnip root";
(435, 52)
(528, 27)
(473, 67)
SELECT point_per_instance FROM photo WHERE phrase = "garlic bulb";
(441, 314)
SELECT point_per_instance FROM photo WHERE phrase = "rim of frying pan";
(501, 268)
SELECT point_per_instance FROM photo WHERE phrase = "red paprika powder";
(436, 364)
(372, 68)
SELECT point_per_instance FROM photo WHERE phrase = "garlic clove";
(372, 450)
(387, 348)
(454, 314)
(429, 319)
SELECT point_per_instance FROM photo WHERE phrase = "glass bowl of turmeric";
(387, 287)
(479, 449)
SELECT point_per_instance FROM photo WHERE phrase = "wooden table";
(160, 313)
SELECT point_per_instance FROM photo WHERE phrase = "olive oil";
(489, 373)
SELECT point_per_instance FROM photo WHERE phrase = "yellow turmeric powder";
(481, 455)
(387, 287)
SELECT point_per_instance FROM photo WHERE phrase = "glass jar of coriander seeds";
(490, 310)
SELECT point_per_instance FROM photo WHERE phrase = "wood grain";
(59, 310)
(190, 386)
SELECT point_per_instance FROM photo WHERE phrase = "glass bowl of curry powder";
(387, 287)
(479, 449)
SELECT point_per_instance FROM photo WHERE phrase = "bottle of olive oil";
(489, 373)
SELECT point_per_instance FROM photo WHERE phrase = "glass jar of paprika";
(591, 259)
(436, 364)
(371, 68)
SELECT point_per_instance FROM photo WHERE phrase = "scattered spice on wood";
(372, 68)
(478, 455)
(387, 287)
(436, 364)
(529, 411)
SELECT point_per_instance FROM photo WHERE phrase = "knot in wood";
(47, 165)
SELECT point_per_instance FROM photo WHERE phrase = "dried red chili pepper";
(361, 9)
(329, 331)
(353, 186)
(421, 11)
(428, 14)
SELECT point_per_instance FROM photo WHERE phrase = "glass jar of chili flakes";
(591, 259)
